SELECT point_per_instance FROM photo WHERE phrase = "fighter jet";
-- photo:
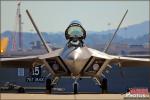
(75, 60)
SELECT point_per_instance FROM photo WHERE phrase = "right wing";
(18, 62)
(30, 61)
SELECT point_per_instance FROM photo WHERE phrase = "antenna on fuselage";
(114, 34)
(48, 49)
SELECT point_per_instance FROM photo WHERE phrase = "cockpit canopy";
(75, 30)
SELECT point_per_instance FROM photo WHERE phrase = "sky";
(55, 16)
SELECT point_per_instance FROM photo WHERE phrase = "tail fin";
(109, 43)
(3, 45)
(48, 49)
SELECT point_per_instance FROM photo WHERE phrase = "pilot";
(75, 34)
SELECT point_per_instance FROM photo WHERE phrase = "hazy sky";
(55, 16)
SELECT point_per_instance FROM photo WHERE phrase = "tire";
(21, 90)
(48, 85)
(75, 88)
(104, 85)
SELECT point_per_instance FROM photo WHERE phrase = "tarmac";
(16, 96)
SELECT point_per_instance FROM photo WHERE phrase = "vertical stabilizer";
(114, 34)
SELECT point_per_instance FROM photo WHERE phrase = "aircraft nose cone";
(75, 58)
(74, 55)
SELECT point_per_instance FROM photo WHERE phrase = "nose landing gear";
(75, 87)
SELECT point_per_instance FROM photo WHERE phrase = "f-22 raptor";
(75, 60)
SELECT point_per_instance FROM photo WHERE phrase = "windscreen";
(75, 31)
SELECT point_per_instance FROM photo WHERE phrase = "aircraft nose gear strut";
(75, 86)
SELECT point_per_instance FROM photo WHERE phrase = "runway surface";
(11, 96)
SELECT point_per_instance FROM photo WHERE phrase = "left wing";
(107, 60)
(19, 61)
(129, 61)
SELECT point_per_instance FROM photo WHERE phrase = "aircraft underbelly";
(76, 66)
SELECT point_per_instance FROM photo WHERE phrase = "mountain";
(131, 31)
(135, 31)
(133, 34)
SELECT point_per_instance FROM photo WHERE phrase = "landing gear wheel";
(104, 85)
(48, 85)
(21, 90)
(75, 88)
